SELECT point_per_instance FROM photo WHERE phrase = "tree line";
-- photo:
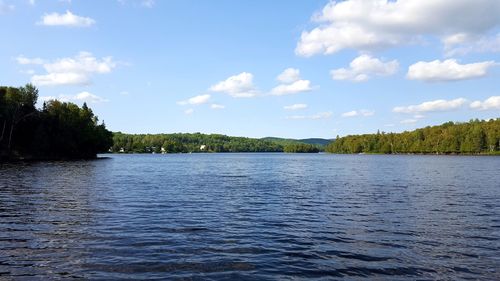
(313, 145)
(198, 142)
(473, 137)
(300, 148)
(59, 130)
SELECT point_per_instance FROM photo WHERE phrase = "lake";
(252, 217)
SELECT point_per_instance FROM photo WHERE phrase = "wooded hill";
(318, 142)
(473, 137)
(197, 142)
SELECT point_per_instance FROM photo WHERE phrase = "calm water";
(252, 216)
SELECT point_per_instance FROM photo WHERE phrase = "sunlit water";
(252, 216)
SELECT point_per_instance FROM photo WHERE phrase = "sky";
(294, 69)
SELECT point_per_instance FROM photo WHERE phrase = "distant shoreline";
(34, 160)
(322, 152)
(108, 156)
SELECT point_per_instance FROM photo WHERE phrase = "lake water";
(252, 216)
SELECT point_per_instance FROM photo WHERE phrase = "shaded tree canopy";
(473, 137)
(60, 130)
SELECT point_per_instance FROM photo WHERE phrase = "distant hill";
(314, 141)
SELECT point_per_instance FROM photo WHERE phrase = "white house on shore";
(203, 147)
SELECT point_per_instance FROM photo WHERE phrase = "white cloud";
(296, 106)
(413, 120)
(447, 70)
(32, 2)
(289, 75)
(67, 19)
(69, 71)
(196, 100)
(217, 106)
(370, 24)
(238, 86)
(320, 115)
(5, 8)
(189, 111)
(483, 44)
(362, 112)
(491, 103)
(88, 97)
(80, 97)
(296, 87)
(24, 60)
(455, 39)
(53, 79)
(291, 83)
(364, 67)
(83, 62)
(431, 106)
(350, 114)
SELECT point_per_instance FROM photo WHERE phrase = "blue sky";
(259, 68)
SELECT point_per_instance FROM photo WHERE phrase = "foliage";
(316, 142)
(300, 148)
(182, 143)
(58, 131)
(473, 137)
(197, 142)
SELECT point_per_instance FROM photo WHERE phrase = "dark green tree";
(58, 131)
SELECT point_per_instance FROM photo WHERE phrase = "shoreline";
(322, 152)
(107, 156)
(33, 160)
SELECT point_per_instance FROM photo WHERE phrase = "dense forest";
(300, 148)
(197, 142)
(60, 130)
(473, 137)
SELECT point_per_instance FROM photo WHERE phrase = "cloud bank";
(366, 25)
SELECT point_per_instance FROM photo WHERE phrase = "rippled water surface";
(252, 216)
